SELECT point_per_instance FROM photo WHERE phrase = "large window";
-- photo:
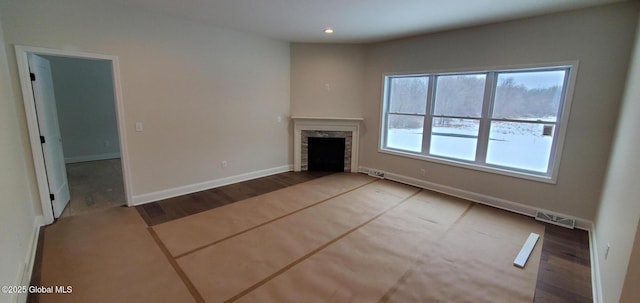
(507, 121)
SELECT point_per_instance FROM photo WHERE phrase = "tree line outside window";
(504, 119)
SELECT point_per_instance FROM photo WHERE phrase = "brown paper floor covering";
(108, 256)
(339, 238)
(189, 233)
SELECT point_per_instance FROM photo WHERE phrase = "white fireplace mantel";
(301, 123)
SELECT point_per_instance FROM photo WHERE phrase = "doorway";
(90, 123)
(84, 99)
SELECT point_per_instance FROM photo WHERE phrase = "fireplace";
(334, 129)
(326, 154)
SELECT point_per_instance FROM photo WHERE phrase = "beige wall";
(327, 80)
(18, 208)
(204, 94)
(600, 38)
(617, 219)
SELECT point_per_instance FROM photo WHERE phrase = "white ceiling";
(352, 20)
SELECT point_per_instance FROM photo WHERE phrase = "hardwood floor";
(564, 274)
(565, 266)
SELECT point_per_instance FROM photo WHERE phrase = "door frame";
(32, 119)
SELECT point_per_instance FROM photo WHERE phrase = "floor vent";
(555, 219)
(376, 173)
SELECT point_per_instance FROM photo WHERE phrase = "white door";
(49, 132)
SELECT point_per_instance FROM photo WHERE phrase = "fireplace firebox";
(326, 154)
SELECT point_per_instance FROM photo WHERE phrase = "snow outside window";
(506, 121)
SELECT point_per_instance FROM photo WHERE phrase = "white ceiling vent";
(555, 219)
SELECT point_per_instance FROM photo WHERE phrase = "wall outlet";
(423, 172)
(19, 240)
(224, 164)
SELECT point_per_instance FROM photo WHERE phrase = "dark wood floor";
(565, 266)
(564, 274)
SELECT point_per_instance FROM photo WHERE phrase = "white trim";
(32, 122)
(525, 252)
(325, 124)
(476, 197)
(596, 285)
(326, 118)
(23, 277)
(91, 158)
(192, 188)
(481, 69)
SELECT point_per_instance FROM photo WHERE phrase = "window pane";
(408, 95)
(459, 95)
(454, 138)
(531, 95)
(524, 146)
(405, 132)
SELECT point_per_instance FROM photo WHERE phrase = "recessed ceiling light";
(328, 30)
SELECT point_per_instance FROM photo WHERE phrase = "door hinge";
(52, 197)
(33, 76)
(42, 141)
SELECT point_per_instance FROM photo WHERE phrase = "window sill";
(488, 169)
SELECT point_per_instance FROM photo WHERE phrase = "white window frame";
(485, 120)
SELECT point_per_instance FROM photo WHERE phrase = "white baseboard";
(475, 197)
(24, 274)
(87, 158)
(188, 189)
(596, 285)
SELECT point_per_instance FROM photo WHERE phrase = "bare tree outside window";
(523, 106)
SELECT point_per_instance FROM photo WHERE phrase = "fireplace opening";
(326, 154)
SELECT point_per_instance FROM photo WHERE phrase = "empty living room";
(319, 151)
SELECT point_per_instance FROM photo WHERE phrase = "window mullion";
(485, 120)
(428, 117)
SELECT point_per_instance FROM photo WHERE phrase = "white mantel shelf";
(301, 123)
(296, 118)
